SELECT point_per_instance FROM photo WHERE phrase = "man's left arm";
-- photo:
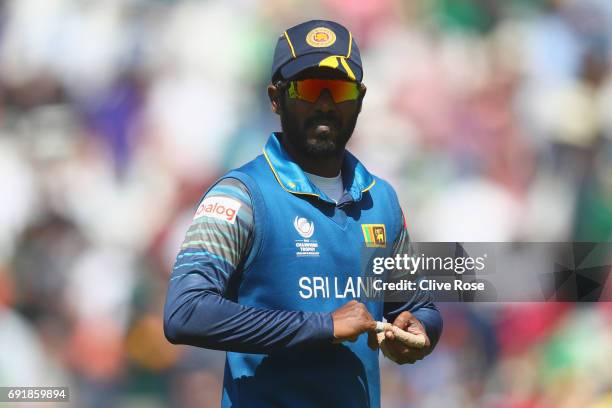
(417, 314)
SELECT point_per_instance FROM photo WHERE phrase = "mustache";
(330, 117)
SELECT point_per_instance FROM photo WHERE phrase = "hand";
(399, 352)
(352, 319)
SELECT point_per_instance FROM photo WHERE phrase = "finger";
(413, 354)
(395, 352)
(372, 340)
(403, 320)
(371, 325)
(395, 348)
(389, 335)
(369, 319)
(410, 339)
(400, 350)
(414, 326)
(401, 324)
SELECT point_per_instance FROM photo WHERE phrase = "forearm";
(204, 318)
(420, 304)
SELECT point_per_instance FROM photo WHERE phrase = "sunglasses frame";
(284, 86)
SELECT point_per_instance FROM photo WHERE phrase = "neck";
(328, 166)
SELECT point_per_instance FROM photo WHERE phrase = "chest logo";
(374, 235)
(304, 227)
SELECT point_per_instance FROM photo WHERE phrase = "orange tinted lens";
(310, 89)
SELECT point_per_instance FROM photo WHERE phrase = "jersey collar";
(292, 179)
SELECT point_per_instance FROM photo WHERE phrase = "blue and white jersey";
(267, 259)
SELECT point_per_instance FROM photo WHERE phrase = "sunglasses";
(309, 90)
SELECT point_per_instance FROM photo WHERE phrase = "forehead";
(320, 73)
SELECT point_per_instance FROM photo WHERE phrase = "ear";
(274, 95)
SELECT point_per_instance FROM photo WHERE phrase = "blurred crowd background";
(493, 120)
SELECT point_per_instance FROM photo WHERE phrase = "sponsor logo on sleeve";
(221, 208)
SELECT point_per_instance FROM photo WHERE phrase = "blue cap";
(316, 43)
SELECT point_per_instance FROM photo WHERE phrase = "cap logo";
(320, 37)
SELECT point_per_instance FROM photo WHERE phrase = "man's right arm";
(196, 311)
(420, 303)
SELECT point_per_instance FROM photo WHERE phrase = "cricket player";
(271, 268)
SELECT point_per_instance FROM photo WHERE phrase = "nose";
(325, 103)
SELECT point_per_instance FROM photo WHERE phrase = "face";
(321, 128)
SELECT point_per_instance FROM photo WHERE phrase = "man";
(270, 268)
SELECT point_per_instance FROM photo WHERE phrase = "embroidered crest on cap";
(320, 37)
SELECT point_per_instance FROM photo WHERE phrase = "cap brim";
(295, 66)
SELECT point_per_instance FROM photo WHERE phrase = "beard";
(308, 141)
